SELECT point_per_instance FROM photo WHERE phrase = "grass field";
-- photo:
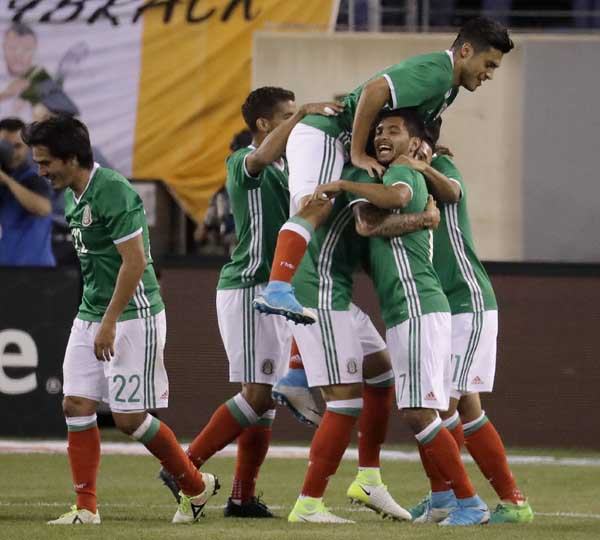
(133, 504)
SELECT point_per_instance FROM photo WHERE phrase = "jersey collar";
(449, 53)
(94, 169)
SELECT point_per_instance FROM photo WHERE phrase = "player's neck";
(81, 180)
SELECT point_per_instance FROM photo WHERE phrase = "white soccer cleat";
(190, 508)
(377, 498)
(77, 516)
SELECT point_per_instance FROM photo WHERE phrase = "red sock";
(289, 251)
(253, 444)
(222, 429)
(295, 358)
(84, 457)
(443, 451)
(485, 445)
(436, 480)
(458, 434)
(165, 447)
(326, 451)
(373, 423)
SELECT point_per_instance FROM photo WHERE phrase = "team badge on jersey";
(86, 220)
(267, 367)
(352, 366)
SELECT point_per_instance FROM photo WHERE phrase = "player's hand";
(369, 164)
(325, 108)
(413, 163)
(104, 343)
(443, 150)
(328, 191)
(432, 213)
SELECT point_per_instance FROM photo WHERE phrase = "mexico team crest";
(267, 367)
(86, 220)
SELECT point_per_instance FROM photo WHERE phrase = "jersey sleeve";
(237, 172)
(123, 212)
(446, 166)
(401, 174)
(411, 85)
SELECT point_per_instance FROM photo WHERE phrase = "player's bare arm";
(372, 221)
(444, 189)
(31, 201)
(382, 196)
(130, 273)
(373, 98)
(273, 146)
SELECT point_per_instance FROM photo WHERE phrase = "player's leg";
(420, 349)
(474, 337)
(84, 387)
(333, 361)
(378, 398)
(313, 158)
(292, 391)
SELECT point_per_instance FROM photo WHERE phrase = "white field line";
(284, 452)
(275, 507)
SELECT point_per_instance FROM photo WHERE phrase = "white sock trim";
(269, 415)
(380, 378)
(345, 404)
(246, 409)
(469, 425)
(427, 431)
(78, 421)
(141, 431)
(451, 420)
(299, 229)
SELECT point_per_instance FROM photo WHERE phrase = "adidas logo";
(165, 394)
(430, 396)
(476, 380)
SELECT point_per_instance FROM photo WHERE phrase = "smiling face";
(60, 173)
(392, 139)
(478, 67)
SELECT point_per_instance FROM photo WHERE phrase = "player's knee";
(258, 397)
(128, 423)
(376, 364)
(419, 419)
(316, 211)
(77, 406)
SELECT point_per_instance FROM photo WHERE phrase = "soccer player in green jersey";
(416, 314)
(115, 350)
(474, 333)
(257, 346)
(316, 147)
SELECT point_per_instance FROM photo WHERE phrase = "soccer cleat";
(278, 298)
(169, 480)
(512, 513)
(311, 510)
(470, 511)
(77, 516)
(254, 508)
(292, 391)
(434, 508)
(377, 498)
(190, 508)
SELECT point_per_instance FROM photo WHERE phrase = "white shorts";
(313, 158)
(420, 352)
(474, 338)
(333, 348)
(257, 345)
(135, 379)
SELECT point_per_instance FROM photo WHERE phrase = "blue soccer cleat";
(471, 511)
(292, 391)
(278, 299)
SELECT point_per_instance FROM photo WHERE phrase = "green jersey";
(461, 273)
(260, 207)
(324, 279)
(423, 81)
(109, 212)
(401, 267)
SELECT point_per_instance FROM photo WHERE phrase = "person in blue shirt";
(25, 207)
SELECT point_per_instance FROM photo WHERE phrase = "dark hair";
(11, 124)
(21, 29)
(431, 134)
(410, 115)
(240, 140)
(484, 33)
(65, 137)
(261, 103)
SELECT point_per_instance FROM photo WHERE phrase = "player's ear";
(263, 124)
(414, 144)
(466, 51)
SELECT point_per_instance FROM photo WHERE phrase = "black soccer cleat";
(169, 481)
(254, 508)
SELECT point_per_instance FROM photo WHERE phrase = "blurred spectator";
(25, 206)
(216, 234)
